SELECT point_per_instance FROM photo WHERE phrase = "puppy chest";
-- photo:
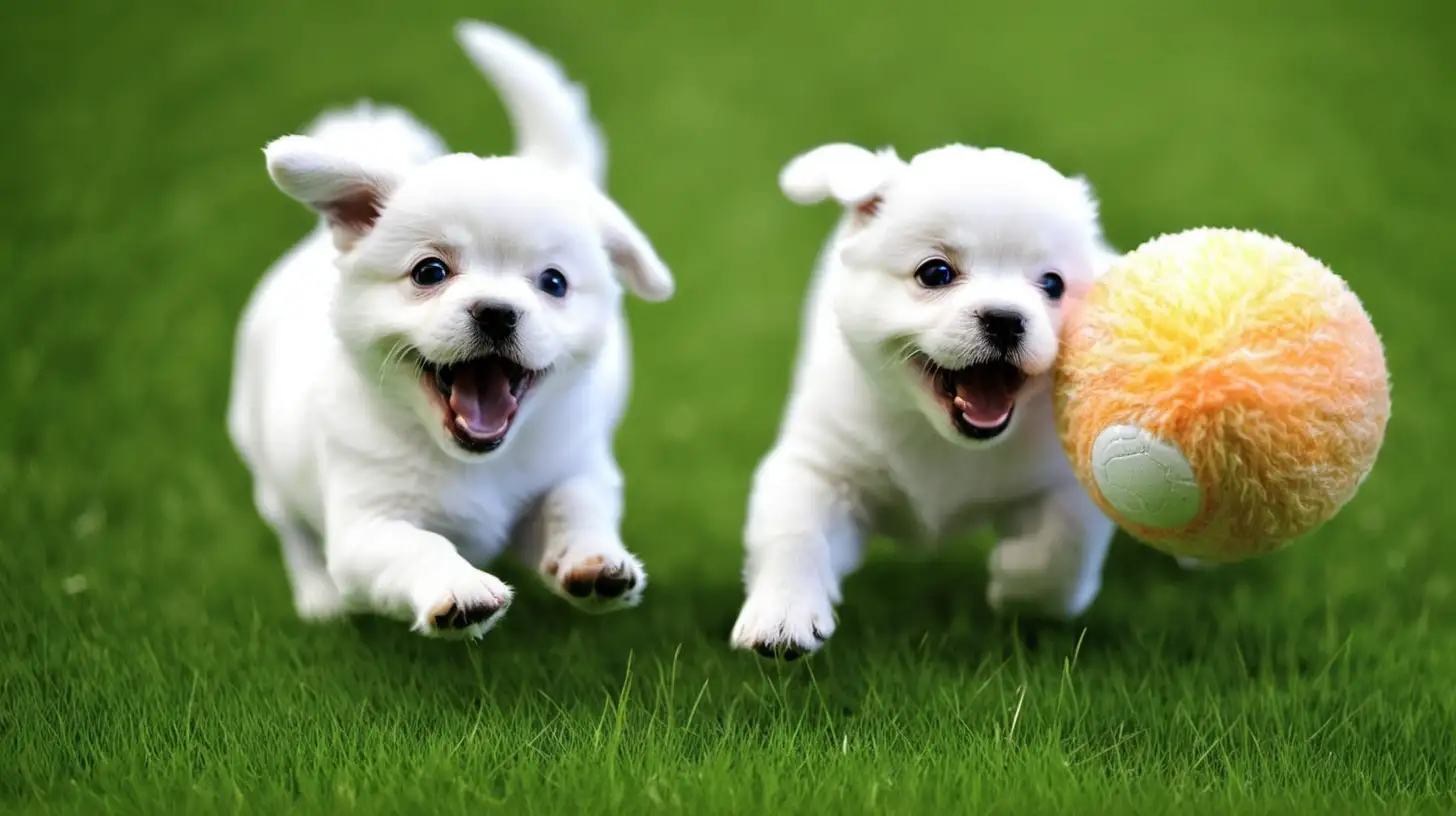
(932, 499)
(479, 520)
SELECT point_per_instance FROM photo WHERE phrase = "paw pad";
(789, 650)
(590, 577)
(593, 580)
(454, 616)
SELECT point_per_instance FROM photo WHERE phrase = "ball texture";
(1221, 393)
(1149, 481)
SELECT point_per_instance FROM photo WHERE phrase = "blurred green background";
(151, 660)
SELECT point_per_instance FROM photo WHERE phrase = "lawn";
(151, 660)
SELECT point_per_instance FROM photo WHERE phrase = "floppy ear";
(638, 267)
(347, 192)
(849, 174)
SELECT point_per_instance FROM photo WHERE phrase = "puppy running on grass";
(437, 372)
(921, 403)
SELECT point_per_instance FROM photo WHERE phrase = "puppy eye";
(430, 272)
(1052, 284)
(552, 282)
(935, 273)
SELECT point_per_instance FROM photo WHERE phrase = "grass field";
(151, 661)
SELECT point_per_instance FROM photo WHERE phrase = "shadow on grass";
(922, 614)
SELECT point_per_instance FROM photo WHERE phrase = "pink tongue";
(984, 401)
(481, 397)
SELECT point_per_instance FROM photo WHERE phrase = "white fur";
(864, 446)
(377, 507)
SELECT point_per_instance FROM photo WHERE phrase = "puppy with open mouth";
(436, 374)
(921, 404)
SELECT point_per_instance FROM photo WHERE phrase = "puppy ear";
(850, 174)
(347, 192)
(638, 267)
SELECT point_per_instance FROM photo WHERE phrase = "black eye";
(1053, 285)
(552, 282)
(935, 273)
(430, 272)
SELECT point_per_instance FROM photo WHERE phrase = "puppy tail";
(378, 131)
(548, 111)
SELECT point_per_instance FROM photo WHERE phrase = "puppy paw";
(784, 625)
(465, 604)
(596, 580)
(1039, 578)
(317, 600)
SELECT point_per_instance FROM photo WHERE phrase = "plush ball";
(1221, 393)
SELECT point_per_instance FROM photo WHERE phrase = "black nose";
(495, 321)
(1002, 328)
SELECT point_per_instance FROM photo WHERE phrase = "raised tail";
(548, 111)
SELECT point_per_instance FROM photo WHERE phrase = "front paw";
(1041, 579)
(602, 579)
(462, 602)
(784, 623)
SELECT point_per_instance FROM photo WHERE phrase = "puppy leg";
(396, 568)
(314, 594)
(802, 539)
(1049, 560)
(573, 541)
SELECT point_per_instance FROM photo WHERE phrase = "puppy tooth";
(464, 426)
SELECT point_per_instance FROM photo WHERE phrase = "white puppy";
(921, 404)
(437, 372)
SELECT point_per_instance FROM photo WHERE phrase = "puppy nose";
(1002, 328)
(496, 321)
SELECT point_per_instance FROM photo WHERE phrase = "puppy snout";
(495, 321)
(1003, 329)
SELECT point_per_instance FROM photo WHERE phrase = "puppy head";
(957, 268)
(468, 284)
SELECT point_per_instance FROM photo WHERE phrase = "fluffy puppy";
(921, 404)
(437, 372)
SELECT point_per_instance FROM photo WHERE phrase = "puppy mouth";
(478, 399)
(980, 398)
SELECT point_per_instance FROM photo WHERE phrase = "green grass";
(137, 216)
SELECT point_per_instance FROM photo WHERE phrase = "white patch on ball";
(1144, 478)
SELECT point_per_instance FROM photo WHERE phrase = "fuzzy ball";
(1221, 393)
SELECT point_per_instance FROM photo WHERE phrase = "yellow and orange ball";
(1221, 393)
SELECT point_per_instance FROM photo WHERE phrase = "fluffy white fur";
(358, 465)
(868, 444)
